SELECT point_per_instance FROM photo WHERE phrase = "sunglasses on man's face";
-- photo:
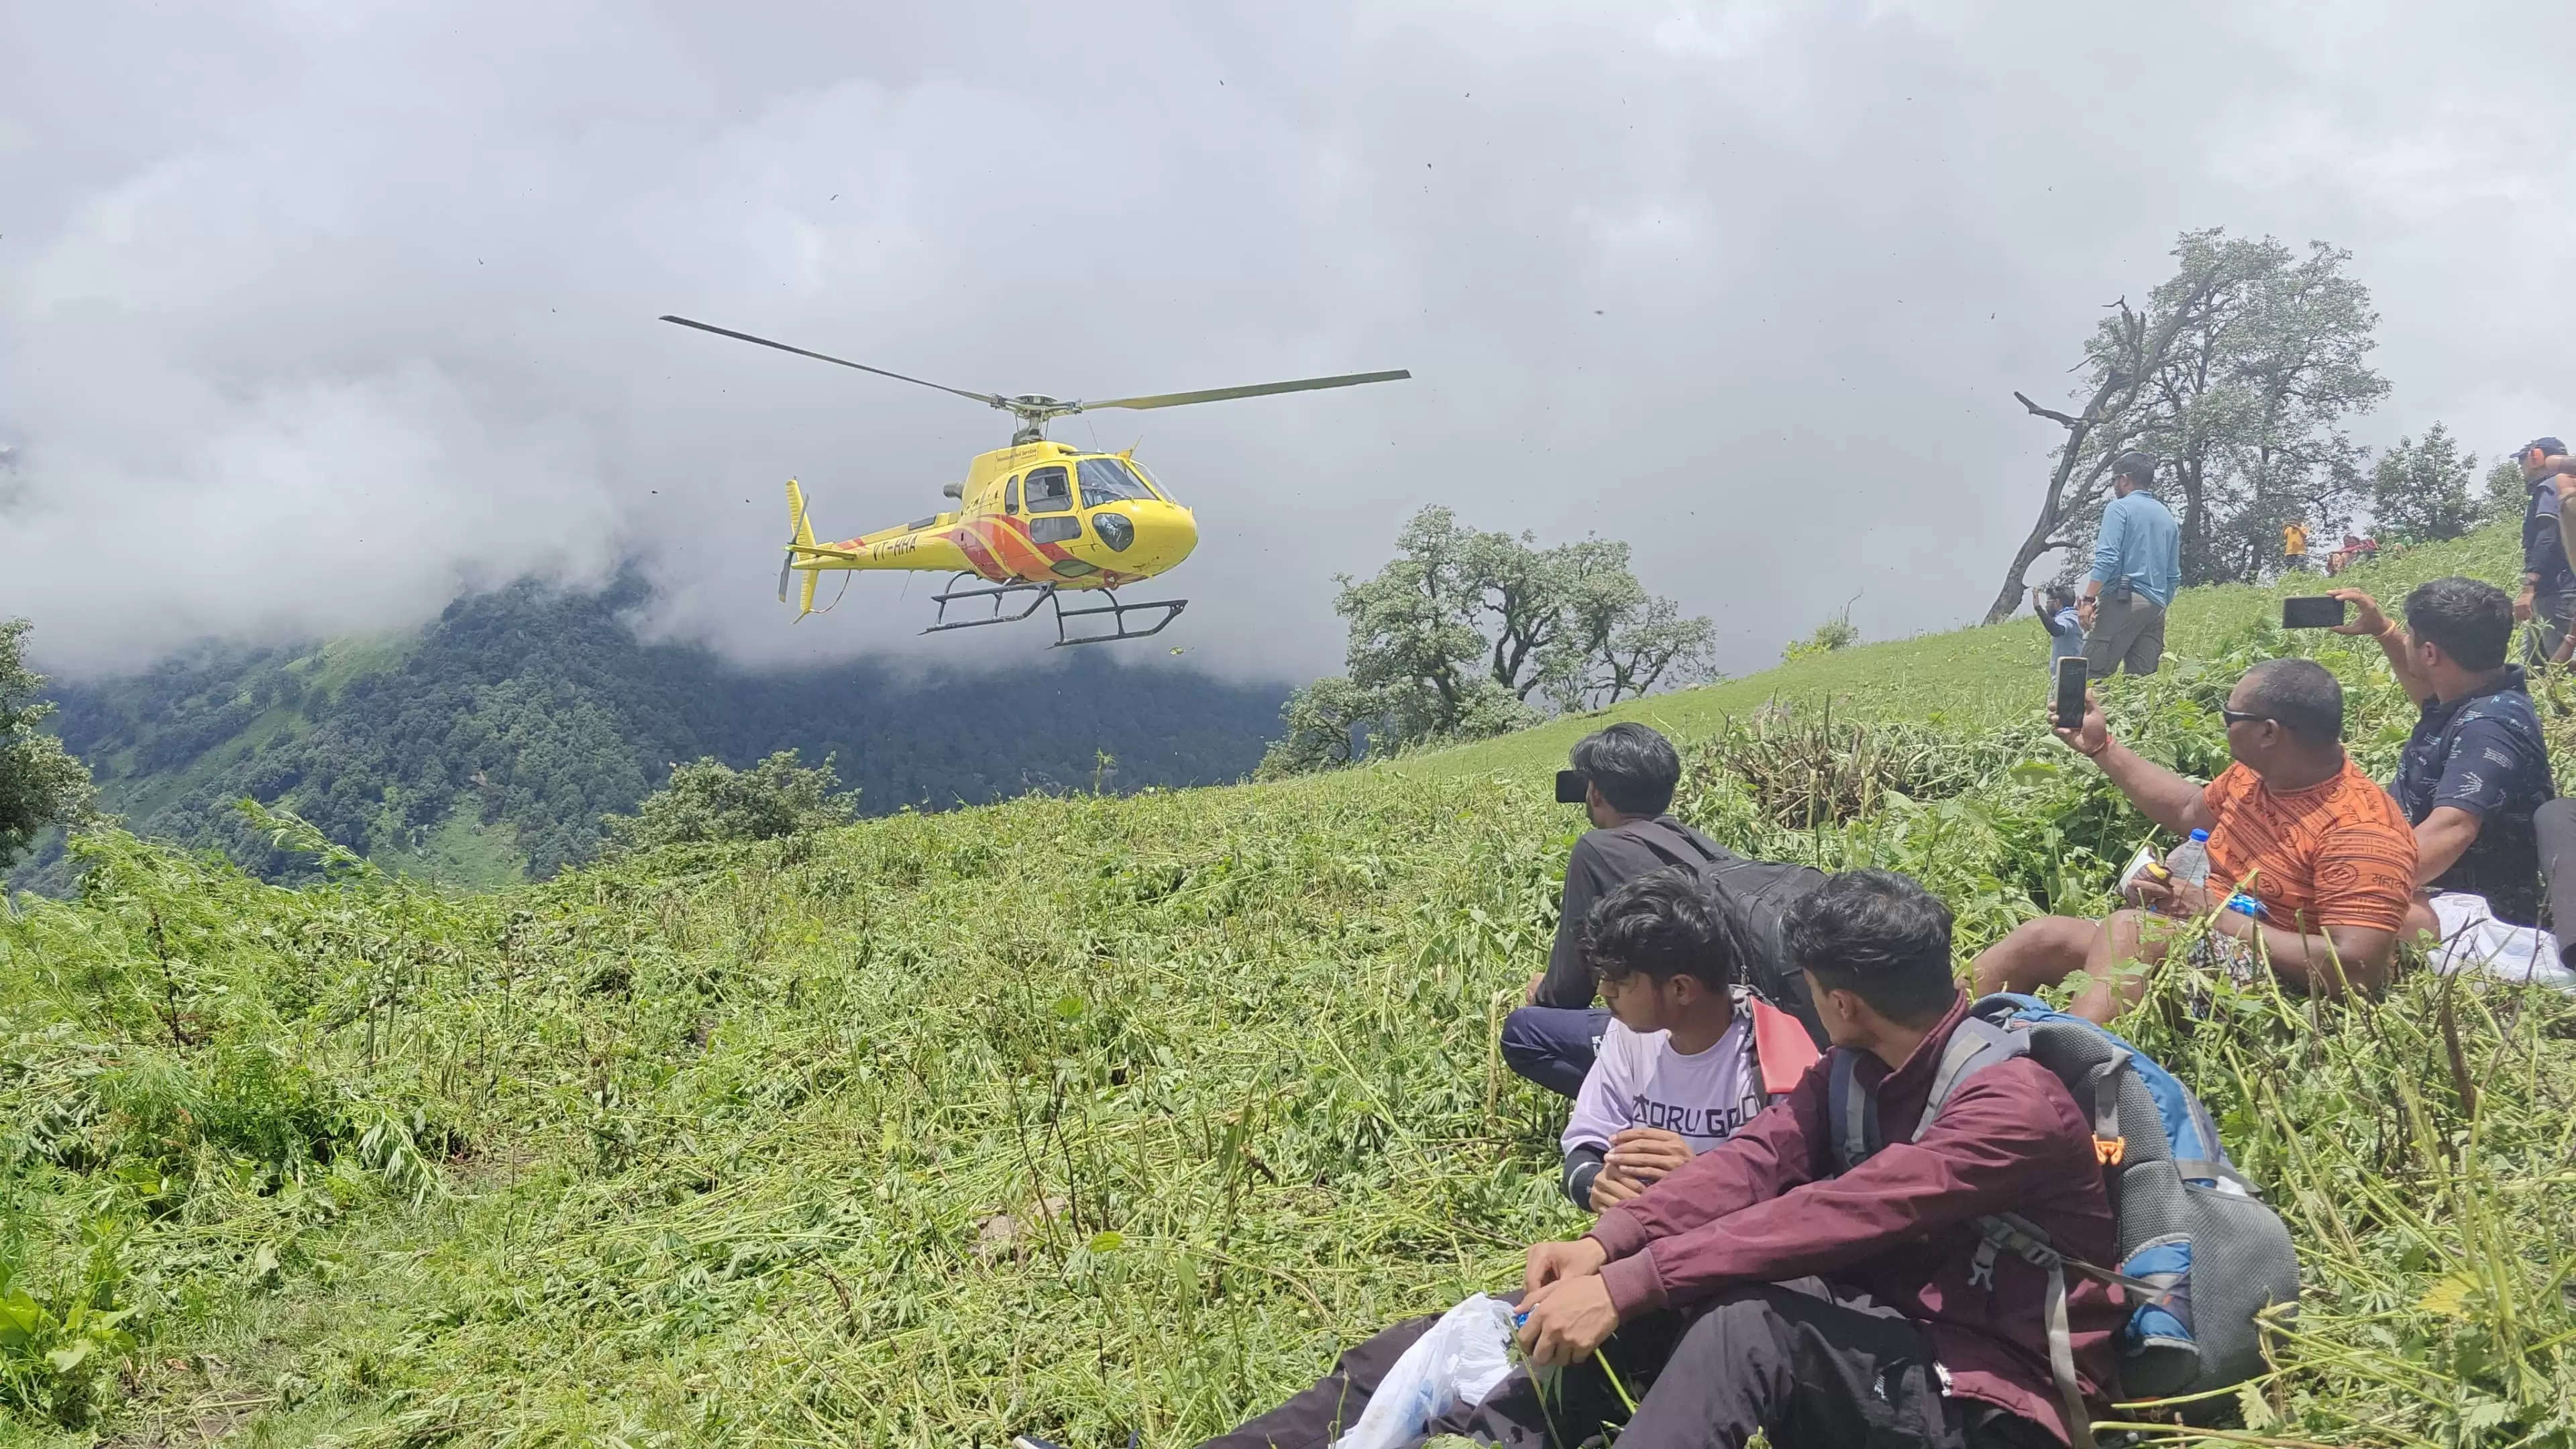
(2235, 717)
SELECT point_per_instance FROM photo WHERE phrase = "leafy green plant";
(1835, 633)
(711, 802)
(56, 1339)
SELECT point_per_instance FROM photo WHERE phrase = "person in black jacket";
(1631, 773)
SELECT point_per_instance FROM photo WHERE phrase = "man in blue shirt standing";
(2137, 565)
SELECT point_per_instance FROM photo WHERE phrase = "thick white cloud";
(310, 315)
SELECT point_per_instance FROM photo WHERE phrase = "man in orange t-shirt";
(2294, 824)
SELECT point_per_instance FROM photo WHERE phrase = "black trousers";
(1811, 1372)
(1554, 1045)
(2555, 825)
(2551, 617)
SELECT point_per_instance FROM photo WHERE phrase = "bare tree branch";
(2052, 414)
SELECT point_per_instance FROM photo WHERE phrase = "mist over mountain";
(486, 747)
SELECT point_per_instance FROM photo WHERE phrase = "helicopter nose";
(1172, 534)
(1146, 537)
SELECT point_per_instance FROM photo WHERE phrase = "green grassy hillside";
(1080, 1115)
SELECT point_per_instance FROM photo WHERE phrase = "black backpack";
(1756, 896)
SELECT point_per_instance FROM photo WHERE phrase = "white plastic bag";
(2474, 940)
(1457, 1363)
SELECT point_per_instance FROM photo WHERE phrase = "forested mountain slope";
(486, 748)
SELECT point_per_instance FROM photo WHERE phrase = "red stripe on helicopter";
(1000, 548)
(978, 557)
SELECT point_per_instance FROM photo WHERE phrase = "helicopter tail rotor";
(799, 531)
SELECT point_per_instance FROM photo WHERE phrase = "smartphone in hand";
(1572, 786)
(2313, 611)
(2070, 692)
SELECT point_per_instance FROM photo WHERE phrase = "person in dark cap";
(2548, 600)
(2137, 565)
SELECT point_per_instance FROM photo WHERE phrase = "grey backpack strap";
(1976, 1045)
(1853, 1109)
(2006, 1230)
(2222, 1173)
(2061, 1363)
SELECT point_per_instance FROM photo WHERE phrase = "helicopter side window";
(1011, 497)
(1106, 480)
(1050, 490)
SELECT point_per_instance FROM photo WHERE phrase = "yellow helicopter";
(1034, 520)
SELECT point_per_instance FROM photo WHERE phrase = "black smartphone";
(2070, 693)
(2313, 611)
(1571, 787)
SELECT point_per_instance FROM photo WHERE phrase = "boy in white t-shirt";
(1679, 1069)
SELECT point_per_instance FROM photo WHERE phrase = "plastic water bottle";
(2190, 860)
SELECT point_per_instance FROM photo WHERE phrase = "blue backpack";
(2200, 1254)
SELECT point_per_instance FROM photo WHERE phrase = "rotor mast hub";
(1034, 411)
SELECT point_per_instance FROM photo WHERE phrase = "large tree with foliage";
(1466, 634)
(40, 783)
(711, 802)
(2238, 374)
(2420, 489)
(2507, 492)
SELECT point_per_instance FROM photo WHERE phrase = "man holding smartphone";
(2323, 856)
(2476, 770)
(1628, 776)
(2137, 565)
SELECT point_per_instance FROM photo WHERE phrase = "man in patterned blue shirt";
(2476, 767)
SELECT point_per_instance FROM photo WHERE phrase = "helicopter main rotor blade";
(1262, 389)
(981, 397)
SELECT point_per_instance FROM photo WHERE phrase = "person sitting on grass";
(2294, 824)
(1757, 1288)
(2476, 768)
(1630, 773)
(1680, 1066)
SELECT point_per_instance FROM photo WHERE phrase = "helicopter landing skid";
(995, 596)
(1170, 609)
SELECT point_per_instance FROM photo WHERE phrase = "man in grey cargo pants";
(2137, 565)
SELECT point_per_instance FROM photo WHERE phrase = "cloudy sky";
(312, 314)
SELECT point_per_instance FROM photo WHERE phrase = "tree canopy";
(1465, 634)
(2420, 489)
(710, 801)
(40, 783)
(2239, 375)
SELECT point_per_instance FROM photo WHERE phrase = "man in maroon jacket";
(1757, 1288)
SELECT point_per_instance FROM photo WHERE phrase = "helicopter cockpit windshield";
(1106, 480)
